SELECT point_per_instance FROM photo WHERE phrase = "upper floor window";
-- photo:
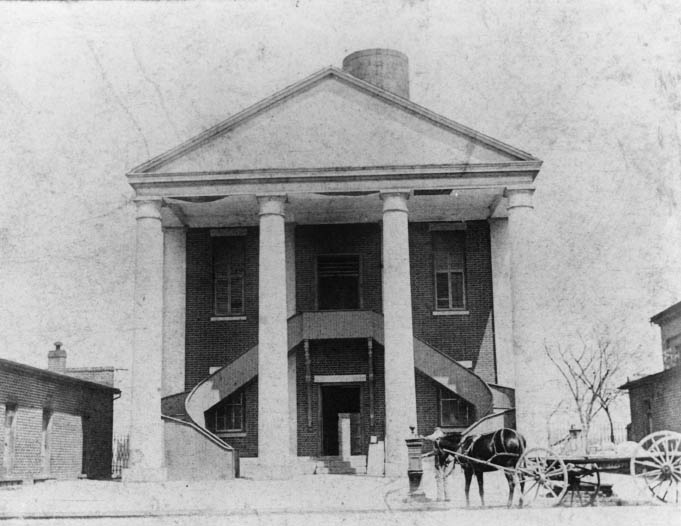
(227, 415)
(455, 411)
(228, 275)
(449, 256)
(672, 353)
(338, 282)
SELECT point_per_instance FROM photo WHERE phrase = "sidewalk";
(300, 494)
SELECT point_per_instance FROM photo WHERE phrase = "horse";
(502, 448)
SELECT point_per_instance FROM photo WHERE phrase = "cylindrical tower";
(386, 68)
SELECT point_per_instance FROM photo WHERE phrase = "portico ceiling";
(456, 205)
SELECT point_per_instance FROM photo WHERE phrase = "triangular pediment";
(332, 120)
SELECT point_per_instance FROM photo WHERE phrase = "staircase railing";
(321, 325)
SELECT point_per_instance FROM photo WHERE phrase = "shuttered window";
(338, 282)
(449, 256)
(455, 411)
(228, 273)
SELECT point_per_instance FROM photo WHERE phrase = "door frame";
(320, 407)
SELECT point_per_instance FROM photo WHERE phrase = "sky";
(90, 90)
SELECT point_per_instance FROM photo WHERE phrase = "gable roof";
(243, 118)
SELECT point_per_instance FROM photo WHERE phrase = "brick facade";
(462, 337)
(655, 402)
(216, 343)
(80, 428)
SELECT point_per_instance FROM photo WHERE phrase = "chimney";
(56, 359)
(386, 68)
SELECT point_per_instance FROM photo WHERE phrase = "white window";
(228, 275)
(227, 415)
(449, 256)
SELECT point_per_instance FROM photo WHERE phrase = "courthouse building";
(324, 270)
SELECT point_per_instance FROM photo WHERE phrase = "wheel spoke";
(527, 491)
(558, 471)
(647, 463)
(536, 492)
(551, 466)
(667, 490)
(652, 488)
(550, 488)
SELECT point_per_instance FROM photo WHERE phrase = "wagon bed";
(654, 464)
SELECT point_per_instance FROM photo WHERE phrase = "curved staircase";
(320, 325)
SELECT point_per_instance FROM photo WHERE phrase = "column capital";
(272, 204)
(519, 197)
(148, 207)
(394, 200)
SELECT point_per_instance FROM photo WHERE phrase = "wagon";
(655, 465)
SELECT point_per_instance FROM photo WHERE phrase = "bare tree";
(591, 370)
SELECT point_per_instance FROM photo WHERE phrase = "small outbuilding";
(655, 399)
(54, 425)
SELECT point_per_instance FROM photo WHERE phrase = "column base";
(144, 475)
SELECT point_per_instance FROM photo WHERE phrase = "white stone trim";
(339, 378)
(228, 318)
(451, 313)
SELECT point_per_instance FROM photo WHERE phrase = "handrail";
(210, 436)
(330, 325)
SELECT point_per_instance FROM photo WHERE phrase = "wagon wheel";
(584, 482)
(657, 463)
(541, 473)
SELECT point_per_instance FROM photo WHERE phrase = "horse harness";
(463, 454)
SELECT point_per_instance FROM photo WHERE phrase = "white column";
(400, 390)
(520, 213)
(146, 429)
(503, 304)
(273, 395)
(174, 285)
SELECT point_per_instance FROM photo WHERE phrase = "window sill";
(228, 318)
(451, 313)
(231, 434)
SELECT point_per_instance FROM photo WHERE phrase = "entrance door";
(339, 399)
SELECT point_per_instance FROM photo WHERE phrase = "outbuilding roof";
(669, 312)
(655, 377)
(51, 375)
